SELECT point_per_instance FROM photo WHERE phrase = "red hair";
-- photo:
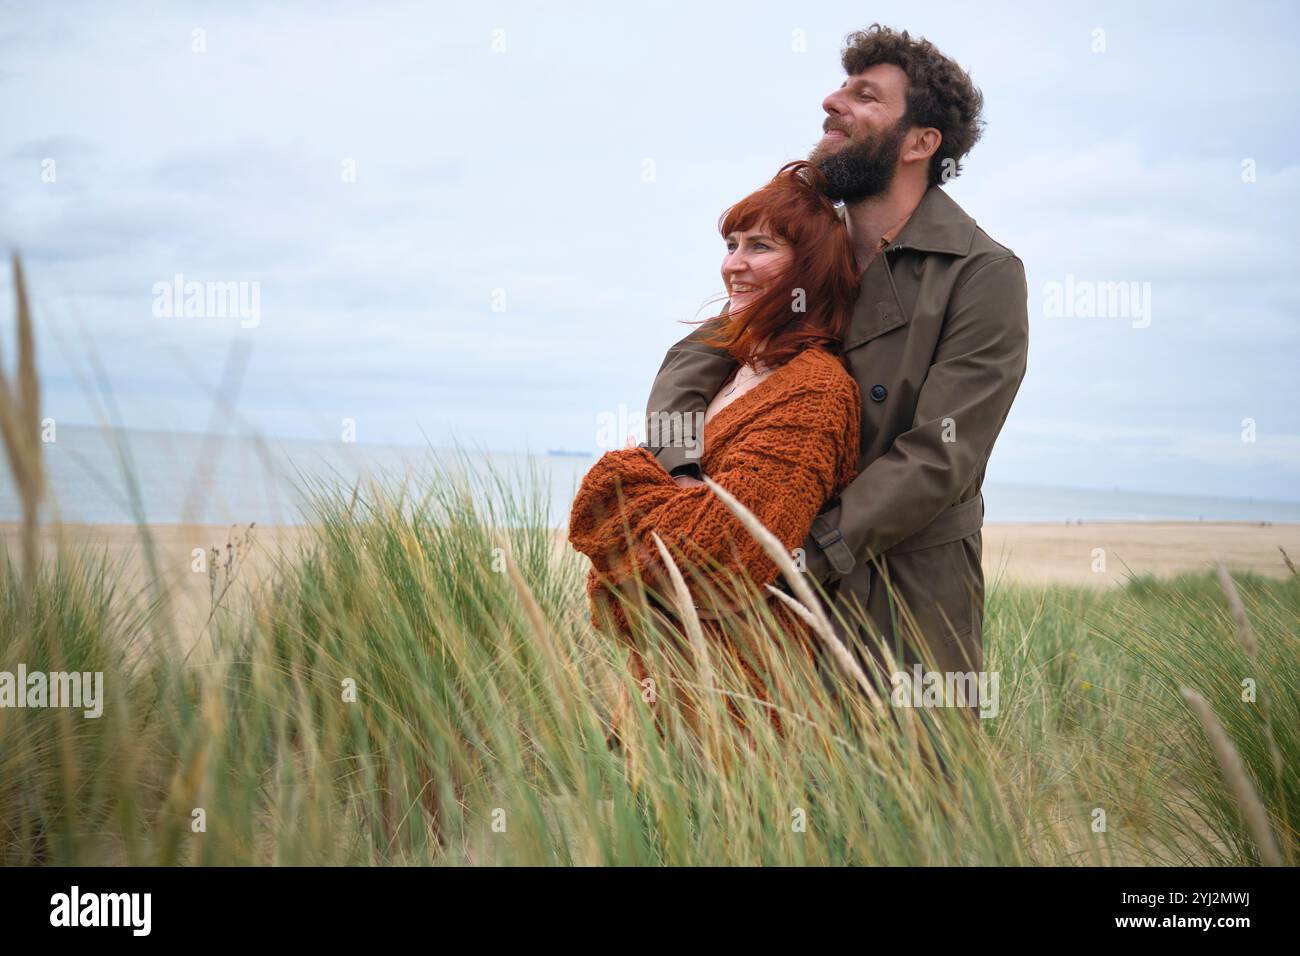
(794, 206)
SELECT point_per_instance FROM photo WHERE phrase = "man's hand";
(817, 566)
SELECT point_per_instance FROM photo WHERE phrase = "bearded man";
(937, 345)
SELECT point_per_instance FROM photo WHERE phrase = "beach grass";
(416, 681)
(393, 693)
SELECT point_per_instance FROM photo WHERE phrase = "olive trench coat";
(937, 345)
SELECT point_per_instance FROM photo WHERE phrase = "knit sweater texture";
(783, 449)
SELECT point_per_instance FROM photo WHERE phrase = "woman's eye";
(760, 245)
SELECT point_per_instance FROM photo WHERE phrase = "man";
(937, 345)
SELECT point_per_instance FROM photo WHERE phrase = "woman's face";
(755, 257)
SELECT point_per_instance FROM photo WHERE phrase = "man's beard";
(861, 170)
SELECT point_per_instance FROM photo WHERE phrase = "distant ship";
(565, 453)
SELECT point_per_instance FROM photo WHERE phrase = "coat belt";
(953, 524)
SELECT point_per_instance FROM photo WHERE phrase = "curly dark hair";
(939, 92)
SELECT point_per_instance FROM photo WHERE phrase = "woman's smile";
(754, 258)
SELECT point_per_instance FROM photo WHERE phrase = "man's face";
(864, 132)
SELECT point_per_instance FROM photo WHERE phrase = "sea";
(124, 476)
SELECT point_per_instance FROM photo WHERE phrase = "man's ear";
(922, 144)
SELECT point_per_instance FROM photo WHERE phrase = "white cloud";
(522, 171)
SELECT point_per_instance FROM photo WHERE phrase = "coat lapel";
(938, 225)
(877, 310)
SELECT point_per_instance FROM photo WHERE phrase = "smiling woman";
(782, 437)
(754, 260)
(789, 271)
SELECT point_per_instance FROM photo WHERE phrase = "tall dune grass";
(417, 682)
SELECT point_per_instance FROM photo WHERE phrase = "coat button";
(878, 393)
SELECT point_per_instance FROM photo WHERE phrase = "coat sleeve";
(689, 377)
(967, 394)
(782, 467)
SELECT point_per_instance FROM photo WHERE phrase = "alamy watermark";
(75, 908)
(177, 298)
(78, 690)
(1086, 299)
(657, 429)
(922, 688)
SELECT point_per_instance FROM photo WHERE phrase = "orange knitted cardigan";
(783, 448)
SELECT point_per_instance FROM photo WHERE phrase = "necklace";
(739, 377)
(743, 374)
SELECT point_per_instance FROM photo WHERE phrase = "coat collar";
(938, 224)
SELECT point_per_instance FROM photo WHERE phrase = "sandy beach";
(1026, 553)
(1065, 554)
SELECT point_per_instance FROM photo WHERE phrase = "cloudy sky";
(487, 222)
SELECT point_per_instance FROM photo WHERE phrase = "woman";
(781, 435)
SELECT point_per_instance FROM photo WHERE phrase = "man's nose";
(832, 104)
